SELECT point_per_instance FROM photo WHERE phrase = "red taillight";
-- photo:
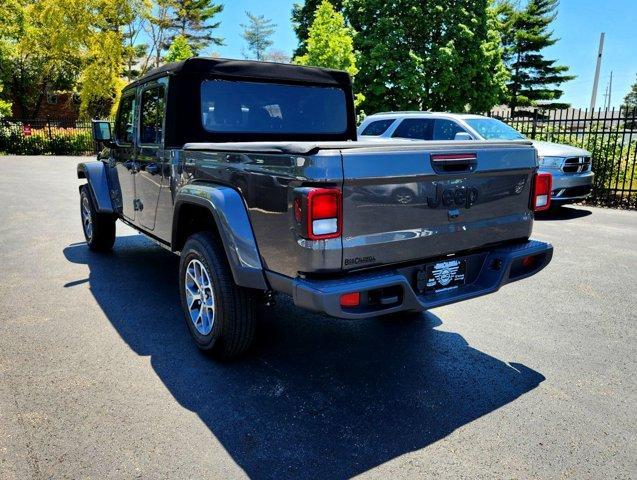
(324, 216)
(351, 299)
(542, 191)
(323, 204)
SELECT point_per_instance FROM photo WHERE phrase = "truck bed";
(403, 201)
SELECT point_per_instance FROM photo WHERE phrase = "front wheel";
(99, 228)
(220, 315)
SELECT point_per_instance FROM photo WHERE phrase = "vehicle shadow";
(317, 397)
(562, 213)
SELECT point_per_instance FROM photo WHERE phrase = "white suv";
(569, 166)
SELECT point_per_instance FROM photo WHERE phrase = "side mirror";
(462, 136)
(102, 132)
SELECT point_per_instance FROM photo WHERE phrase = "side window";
(377, 127)
(151, 119)
(446, 129)
(124, 123)
(420, 128)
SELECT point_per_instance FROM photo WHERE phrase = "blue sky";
(578, 25)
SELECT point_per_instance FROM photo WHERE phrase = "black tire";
(100, 237)
(234, 321)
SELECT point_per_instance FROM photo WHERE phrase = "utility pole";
(610, 90)
(597, 67)
(608, 93)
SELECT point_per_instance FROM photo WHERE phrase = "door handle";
(153, 168)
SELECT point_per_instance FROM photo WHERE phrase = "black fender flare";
(231, 218)
(97, 179)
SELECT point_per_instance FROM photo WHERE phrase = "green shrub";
(57, 141)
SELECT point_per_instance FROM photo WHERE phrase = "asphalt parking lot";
(99, 378)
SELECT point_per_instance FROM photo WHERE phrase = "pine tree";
(302, 18)
(525, 34)
(330, 43)
(192, 19)
(257, 34)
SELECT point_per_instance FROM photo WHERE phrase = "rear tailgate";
(431, 199)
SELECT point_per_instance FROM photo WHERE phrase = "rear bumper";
(493, 268)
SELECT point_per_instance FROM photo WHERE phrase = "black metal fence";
(610, 136)
(46, 136)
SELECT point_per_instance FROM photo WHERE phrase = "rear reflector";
(298, 210)
(529, 261)
(351, 299)
(542, 191)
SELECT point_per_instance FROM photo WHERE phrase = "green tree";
(5, 107)
(156, 27)
(179, 50)
(525, 34)
(630, 100)
(437, 54)
(193, 19)
(101, 80)
(35, 57)
(93, 32)
(135, 51)
(257, 33)
(102, 77)
(302, 18)
(330, 43)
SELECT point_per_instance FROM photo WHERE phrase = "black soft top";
(183, 109)
(248, 69)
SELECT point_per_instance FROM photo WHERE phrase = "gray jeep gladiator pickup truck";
(251, 171)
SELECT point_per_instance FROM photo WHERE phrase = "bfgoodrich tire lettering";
(99, 228)
(227, 329)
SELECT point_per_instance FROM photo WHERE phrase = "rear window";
(251, 107)
(377, 128)
(493, 129)
(428, 129)
(420, 128)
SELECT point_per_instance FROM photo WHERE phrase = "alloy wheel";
(87, 219)
(200, 297)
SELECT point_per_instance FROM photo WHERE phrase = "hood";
(549, 149)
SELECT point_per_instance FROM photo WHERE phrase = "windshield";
(492, 129)
(251, 107)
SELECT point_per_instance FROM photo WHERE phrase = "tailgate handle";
(454, 162)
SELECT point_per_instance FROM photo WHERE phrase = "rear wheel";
(99, 228)
(220, 315)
